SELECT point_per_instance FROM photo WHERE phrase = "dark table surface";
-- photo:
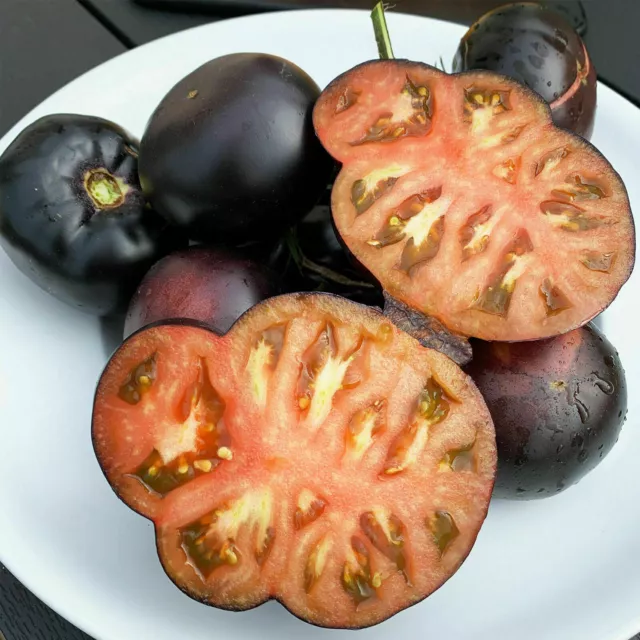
(46, 43)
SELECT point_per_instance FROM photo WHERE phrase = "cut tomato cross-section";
(460, 195)
(315, 455)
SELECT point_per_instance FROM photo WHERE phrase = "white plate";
(564, 568)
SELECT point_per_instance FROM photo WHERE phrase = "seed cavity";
(346, 100)
(139, 381)
(496, 298)
(432, 407)
(415, 254)
(395, 228)
(365, 191)
(263, 359)
(555, 301)
(551, 160)
(264, 547)
(577, 189)
(459, 460)
(211, 541)
(410, 117)
(569, 217)
(203, 554)
(507, 170)
(386, 533)
(596, 261)
(482, 105)
(324, 372)
(419, 218)
(316, 562)
(357, 576)
(444, 530)
(189, 446)
(502, 138)
(363, 429)
(309, 508)
(475, 234)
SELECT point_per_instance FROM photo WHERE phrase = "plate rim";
(24, 577)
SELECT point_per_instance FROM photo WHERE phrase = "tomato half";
(461, 196)
(315, 455)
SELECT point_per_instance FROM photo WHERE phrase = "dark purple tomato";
(230, 154)
(316, 260)
(558, 406)
(72, 214)
(538, 47)
(214, 286)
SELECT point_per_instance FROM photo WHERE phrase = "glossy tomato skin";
(230, 152)
(538, 47)
(558, 406)
(315, 259)
(208, 284)
(72, 214)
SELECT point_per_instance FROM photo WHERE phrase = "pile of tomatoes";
(352, 315)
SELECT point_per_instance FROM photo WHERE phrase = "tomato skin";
(230, 152)
(558, 406)
(425, 154)
(300, 502)
(209, 284)
(538, 47)
(87, 255)
(319, 261)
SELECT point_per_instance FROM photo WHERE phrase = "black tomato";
(230, 154)
(72, 214)
(212, 285)
(558, 406)
(315, 259)
(538, 47)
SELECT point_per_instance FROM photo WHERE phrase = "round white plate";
(564, 568)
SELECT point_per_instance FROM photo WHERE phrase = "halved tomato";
(315, 455)
(460, 195)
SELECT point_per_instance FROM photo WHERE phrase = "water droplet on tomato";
(604, 385)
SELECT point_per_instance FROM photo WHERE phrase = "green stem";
(381, 32)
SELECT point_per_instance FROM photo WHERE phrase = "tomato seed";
(139, 381)
(225, 453)
(203, 465)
